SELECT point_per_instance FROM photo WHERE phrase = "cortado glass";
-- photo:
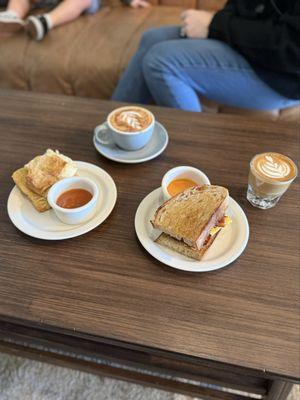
(270, 176)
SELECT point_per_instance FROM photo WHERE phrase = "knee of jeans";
(150, 63)
(156, 59)
(148, 38)
(151, 37)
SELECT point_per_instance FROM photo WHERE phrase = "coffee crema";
(273, 167)
(130, 119)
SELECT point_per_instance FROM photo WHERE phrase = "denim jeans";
(174, 71)
(94, 7)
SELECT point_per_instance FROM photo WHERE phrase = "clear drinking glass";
(270, 176)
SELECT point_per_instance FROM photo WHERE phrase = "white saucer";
(228, 246)
(154, 148)
(46, 225)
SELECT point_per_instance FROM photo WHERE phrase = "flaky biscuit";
(43, 171)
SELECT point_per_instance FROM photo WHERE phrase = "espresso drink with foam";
(270, 176)
(131, 119)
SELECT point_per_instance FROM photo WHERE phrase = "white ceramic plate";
(46, 225)
(154, 148)
(227, 247)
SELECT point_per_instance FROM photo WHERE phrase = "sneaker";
(10, 23)
(37, 27)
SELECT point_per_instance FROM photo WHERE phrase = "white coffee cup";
(107, 134)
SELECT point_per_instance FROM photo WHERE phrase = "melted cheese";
(216, 229)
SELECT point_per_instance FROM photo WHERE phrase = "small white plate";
(46, 225)
(154, 148)
(227, 247)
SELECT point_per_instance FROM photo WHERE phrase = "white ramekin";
(183, 172)
(74, 216)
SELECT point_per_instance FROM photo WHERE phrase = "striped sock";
(49, 21)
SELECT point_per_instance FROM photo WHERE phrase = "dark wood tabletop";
(104, 284)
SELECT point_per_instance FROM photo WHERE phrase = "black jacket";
(267, 33)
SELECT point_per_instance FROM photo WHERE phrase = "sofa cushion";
(85, 57)
(12, 62)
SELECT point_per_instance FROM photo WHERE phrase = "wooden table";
(100, 303)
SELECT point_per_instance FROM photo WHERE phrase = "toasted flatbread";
(182, 248)
(39, 202)
(190, 215)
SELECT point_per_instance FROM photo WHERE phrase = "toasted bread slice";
(40, 203)
(190, 215)
(182, 248)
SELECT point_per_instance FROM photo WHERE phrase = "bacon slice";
(218, 216)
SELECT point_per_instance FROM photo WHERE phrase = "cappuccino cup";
(270, 176)
(129, 127)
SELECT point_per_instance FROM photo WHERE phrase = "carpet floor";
(22, 379)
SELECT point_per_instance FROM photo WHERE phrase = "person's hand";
(195, 23)
(139, 4)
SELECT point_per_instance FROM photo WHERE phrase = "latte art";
(270, 176)
(131, 119)
(273, 168)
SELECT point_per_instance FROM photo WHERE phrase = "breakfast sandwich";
(191, 220)
(36, 177)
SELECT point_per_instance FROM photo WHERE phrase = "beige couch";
(86, 57)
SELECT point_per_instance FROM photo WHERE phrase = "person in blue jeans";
(246, 55)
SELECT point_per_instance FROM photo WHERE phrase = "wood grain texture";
(104, 284)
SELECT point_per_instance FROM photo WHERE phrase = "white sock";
(10, 14)
(49, 21)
